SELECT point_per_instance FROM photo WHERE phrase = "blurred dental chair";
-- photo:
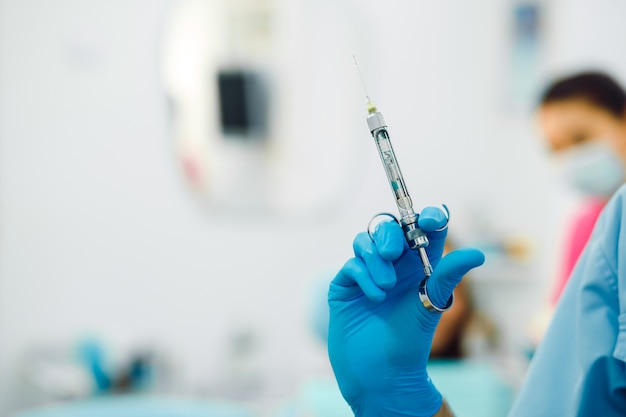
(139, 406)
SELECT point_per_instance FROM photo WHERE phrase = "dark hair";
(597, 88)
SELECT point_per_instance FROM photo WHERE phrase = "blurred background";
(179, 181)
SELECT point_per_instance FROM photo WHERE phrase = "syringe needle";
(356, 64)
(371, 107)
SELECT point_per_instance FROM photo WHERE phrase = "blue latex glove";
(380, 334)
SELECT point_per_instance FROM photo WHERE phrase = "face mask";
(593, 168)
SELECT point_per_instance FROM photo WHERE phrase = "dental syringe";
(415, 236)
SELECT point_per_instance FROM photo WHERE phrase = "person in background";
(582, 119)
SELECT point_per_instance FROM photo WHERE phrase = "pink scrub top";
(582, 226)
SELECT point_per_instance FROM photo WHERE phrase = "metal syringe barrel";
(416, 238)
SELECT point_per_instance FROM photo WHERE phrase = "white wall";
(98, 233)
(587, 35)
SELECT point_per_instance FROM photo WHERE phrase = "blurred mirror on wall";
(249, 121)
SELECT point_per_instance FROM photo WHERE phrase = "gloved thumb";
(449, 273)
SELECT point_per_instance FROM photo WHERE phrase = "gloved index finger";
(433, 221)
(389, 240)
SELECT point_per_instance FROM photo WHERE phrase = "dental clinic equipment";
(415, 237)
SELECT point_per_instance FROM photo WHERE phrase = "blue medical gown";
(580, 367)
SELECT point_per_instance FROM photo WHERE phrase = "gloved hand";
(380, 334)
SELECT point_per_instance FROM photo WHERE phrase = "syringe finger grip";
(415, 236)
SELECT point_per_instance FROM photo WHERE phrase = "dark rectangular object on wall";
(242, 104)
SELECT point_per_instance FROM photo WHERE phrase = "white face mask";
(593, 168)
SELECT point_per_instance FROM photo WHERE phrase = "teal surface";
(471, 389)
(140, 406)
(316, 398)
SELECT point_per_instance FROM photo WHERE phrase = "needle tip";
(371, 107)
